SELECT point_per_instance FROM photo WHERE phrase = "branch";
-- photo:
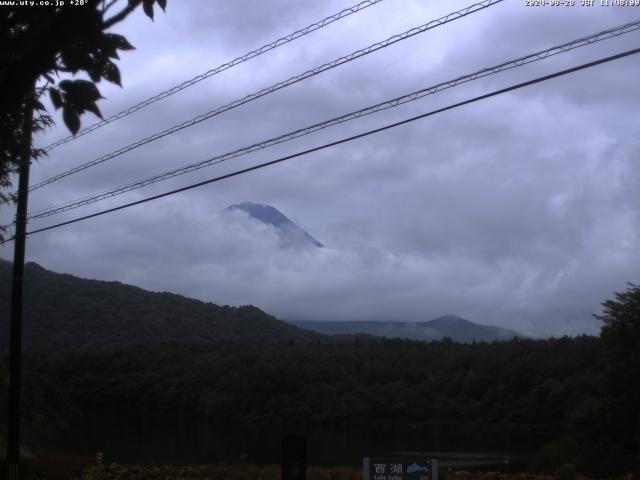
(118, 17)
(108, 6)
(42, 89)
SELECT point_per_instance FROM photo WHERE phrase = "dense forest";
(65, 312)
(583, 393)
(557, 386)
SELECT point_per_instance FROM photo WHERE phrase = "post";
(15, 334)
(294, 457)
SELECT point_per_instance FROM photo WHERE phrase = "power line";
(344, 140)
(524, 60)
(277, 86)
(221, 68)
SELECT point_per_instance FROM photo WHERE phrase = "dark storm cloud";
(520, 211)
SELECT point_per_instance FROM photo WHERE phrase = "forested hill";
(66, 312)
(582, 392)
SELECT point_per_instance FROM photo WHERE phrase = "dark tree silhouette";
(621, 318)
(621, 356)
(41, 45)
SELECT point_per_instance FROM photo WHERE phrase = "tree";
(39, 45)
(621, 319)
(618, 414)
(620, 336)
(36, 45)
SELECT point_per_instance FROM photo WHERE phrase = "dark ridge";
(66, 312)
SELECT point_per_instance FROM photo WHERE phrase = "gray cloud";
(520, 211)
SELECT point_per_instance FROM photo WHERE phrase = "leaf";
(94, 70)
(37, 153)
(56, 98)
(80, 92)
(93, 108)
(65, 85)
(147, 6)
(79, 96)
(163, 4)
(109, 47)
(73, 56)
(71, 119)
(37, 105)
(111, 73)
(120, 42)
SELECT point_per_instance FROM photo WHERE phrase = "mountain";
(456, 328)
(462, 330)
(290, 234)
(66, 312)
(63, 312)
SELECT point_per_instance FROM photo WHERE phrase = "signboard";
(389, 468)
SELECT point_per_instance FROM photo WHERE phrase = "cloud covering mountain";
(522, 211)
(290, 234)
(451, 326)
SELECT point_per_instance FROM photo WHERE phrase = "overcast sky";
(520, 211)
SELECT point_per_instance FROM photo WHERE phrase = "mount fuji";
(290, 234)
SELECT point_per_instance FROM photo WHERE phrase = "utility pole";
(15, 334)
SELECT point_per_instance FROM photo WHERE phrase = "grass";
(83, 468)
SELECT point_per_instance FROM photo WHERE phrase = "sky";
(520, 211)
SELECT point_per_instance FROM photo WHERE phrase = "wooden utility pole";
(15, 334)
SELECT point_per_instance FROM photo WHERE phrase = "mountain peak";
(465, 330)
(265, 213)
(289, 232)
(450, 320)
(452, 326)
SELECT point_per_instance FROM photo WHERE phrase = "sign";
(389, 468)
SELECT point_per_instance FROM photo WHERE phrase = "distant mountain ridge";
(290, 234)
(451, 326)
(66, 312)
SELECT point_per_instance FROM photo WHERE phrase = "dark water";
(146, 439)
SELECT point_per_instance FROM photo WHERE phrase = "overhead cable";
(220, 68)
(341, 141)
(524, 60)
(277, 86)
